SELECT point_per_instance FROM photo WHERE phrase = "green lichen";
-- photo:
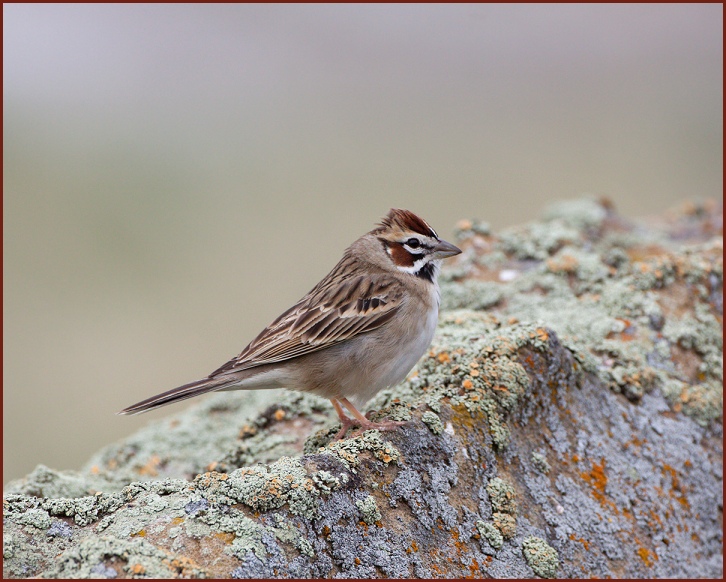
(349, 450)
(540, 556)
(327, 482)
(504, 506)
(478, 369)
(584, 214)
(96, 557)
(288, 533)
(84, 510)
(45, 482)
(432, 420)
(616, 314)
(505, 523)
(703, 402)
(540, 462)
(537, 240)
(319, 439)
(369, 510)
(490, 533)
(472, 294)
(466, 228)
(285, 482)
(247, 535)
(36, 517)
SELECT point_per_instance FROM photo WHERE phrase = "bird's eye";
(414, 243)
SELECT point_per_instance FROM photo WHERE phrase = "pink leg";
(345, 422)
(366, 424)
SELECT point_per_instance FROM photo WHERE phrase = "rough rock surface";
(567, 422)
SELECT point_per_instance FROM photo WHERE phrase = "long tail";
(175, 395)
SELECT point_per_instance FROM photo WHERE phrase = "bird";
(361, 329)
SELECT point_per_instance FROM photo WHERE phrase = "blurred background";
(175, 176)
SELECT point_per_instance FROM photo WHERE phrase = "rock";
(567, 422)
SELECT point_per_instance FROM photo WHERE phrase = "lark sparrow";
(359, 330)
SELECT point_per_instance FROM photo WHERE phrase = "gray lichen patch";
(490, 533)
(127, 558)
(474, 364)
(540, 556)
(349, 450)
(45, 482)
(502, 496)
(540, 462)
(432, 420)
(635, 306)
(262, 488)
(369, 510)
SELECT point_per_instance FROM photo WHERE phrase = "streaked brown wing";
(328, 315)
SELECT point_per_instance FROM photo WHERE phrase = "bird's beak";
(445, 249)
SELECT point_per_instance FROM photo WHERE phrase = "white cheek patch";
(415, 268)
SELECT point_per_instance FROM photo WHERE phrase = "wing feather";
(326, 316)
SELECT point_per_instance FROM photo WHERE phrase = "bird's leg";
(366, 424)
(345, 422)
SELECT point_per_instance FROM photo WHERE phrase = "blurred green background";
(177, 175)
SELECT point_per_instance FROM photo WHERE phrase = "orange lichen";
(647, 556)
(443, 358)
(598, 480)
(137, 569)
(564, 264)
(226, 537)
(279, 414)
(467, 384)
(677, 489)
(247, 431)
(584, 542)
(151, 467)
(413, 547)
(182, 565)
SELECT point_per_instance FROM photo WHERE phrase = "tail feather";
(174, 395)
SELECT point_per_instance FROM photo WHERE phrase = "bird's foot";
(345, 424)
(363, 422)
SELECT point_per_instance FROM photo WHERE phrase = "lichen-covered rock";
(566, 422)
